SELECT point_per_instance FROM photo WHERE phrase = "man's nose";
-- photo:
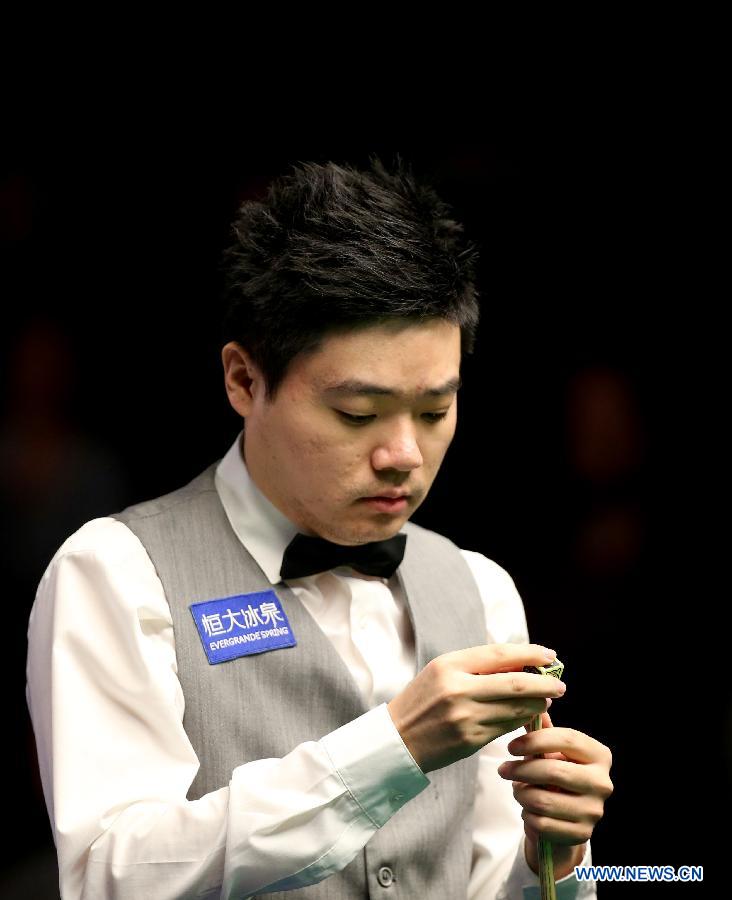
(398, 449)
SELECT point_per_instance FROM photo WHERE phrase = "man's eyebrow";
(354, 386)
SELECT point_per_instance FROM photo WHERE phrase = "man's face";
(369, 413)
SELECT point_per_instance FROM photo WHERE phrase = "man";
(269, 680)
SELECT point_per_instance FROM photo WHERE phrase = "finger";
(511, 713)
(557, 831)
(492, 658)
(567, 776)
(574, 745)
(565, 807)
(510, 685)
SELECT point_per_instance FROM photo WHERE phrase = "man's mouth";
(388, 495)
(387, 504)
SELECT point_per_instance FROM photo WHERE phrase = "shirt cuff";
(374, 764)
(523, 882)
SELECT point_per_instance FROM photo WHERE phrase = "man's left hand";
(563, 793)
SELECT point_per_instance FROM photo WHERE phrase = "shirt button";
(397, 798)
(385, 876)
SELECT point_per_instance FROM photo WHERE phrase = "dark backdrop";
(569, 467)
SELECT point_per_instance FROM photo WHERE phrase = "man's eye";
(432, 418)
(354, 420)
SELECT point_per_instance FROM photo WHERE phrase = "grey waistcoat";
(263, 705)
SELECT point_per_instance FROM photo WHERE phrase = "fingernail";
(562, 687)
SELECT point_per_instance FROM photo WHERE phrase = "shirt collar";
(258, 524)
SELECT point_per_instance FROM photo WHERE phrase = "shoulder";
(99, 616)
(202, 484)
(504, 609)
(488, 572)
(105, 537)
(101, 564)
(484, 570)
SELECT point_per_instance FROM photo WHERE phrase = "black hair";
(333, 248)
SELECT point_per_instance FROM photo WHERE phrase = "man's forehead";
(402, 360)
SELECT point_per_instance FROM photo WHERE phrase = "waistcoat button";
(385, 876)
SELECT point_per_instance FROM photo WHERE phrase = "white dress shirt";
(116, 763)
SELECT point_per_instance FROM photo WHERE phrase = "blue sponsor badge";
(242, 625)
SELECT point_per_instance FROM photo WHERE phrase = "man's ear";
(242, 378)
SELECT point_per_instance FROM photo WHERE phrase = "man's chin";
(366, 534)
(381, 531)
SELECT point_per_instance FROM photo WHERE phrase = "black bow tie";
(307, 555)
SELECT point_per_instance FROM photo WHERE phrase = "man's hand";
(463, 700)
(562, 794)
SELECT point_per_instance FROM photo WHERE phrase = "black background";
(112, 227)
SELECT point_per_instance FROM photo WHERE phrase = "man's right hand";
(465, 699)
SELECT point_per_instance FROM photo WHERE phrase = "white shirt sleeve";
(499, 870)
(116, 763)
